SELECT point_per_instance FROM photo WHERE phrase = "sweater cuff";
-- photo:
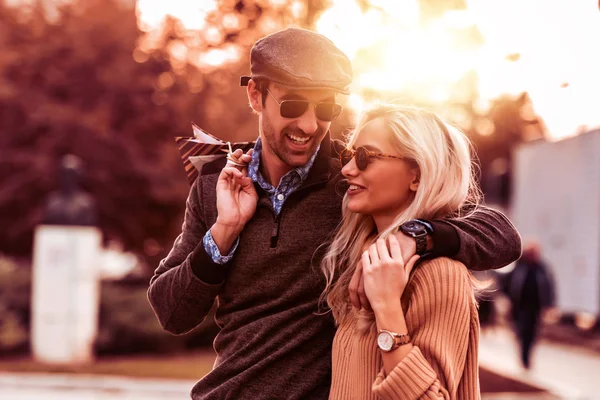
(446, 242)
(205, 268)
(410, 379)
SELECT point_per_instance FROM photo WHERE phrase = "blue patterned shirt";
(278, 195)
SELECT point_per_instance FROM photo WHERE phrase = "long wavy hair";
(447, 187)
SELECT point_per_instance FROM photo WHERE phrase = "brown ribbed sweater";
(442, 319)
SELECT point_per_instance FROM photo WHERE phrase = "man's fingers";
(237, 153)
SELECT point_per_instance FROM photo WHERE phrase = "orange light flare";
(203, 26)
(485, 50)
(512, 46)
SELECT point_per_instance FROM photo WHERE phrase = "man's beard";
(276, 142)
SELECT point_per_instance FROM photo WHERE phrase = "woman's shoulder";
(440, 281)
(441, 274)
(442, 266)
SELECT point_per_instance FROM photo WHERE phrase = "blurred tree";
(72, 86)
(509, 122)
(90, 83)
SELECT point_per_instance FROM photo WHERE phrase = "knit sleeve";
(439, 319)
(187, 281)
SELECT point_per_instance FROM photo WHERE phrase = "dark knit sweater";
(273, 344)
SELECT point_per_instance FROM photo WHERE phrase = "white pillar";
(65, 293)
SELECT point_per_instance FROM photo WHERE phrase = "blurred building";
(556, 201)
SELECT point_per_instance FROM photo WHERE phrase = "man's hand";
(236, 202)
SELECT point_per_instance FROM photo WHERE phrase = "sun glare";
(490, 48)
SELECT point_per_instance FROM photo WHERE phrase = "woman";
(419, 337)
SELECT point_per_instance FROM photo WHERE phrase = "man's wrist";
(445, 239)
(224, 236)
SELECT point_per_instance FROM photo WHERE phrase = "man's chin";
(298, 159)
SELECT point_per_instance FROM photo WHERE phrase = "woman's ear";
(414, 183)
(254, 96)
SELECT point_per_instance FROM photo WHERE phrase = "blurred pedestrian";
(530, 288)
(251, 233)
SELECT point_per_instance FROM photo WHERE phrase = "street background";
(112, 82)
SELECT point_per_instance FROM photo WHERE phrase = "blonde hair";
(442, 154)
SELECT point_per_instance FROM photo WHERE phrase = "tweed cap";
(299, 59)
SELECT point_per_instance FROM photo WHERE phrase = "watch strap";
(421, 241)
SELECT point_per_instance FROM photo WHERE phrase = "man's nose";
(308, 121)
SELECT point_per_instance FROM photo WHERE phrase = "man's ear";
(254, 96)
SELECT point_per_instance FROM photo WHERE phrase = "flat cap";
(299, 59)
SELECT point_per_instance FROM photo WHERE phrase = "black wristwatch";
(417, 230)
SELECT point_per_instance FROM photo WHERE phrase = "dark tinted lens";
(345, 156)
(327, 111)
(292, 108)
(362, 158)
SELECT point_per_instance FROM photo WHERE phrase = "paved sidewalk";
(571, 372)
(15, 386)
(568, 372)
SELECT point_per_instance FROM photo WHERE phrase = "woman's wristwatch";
(388, 341)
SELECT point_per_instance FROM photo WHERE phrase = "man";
(255, 242)
(530, 287)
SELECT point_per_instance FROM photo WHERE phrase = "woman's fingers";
(395, 250)
(353, 286)
(382, 250)
(373, 254)
(362, 295)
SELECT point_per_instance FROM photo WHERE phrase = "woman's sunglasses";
(362, 157)
(325, 111)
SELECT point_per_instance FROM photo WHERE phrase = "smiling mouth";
(297, 139)
(353, 187)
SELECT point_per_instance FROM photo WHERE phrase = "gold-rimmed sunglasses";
(362, 157)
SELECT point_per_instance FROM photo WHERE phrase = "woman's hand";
(385, 274)
(356, 288)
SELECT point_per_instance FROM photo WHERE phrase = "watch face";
(413, 226)
(385, 341)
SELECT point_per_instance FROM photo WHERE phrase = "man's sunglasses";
(362, 157)
(325, 111)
